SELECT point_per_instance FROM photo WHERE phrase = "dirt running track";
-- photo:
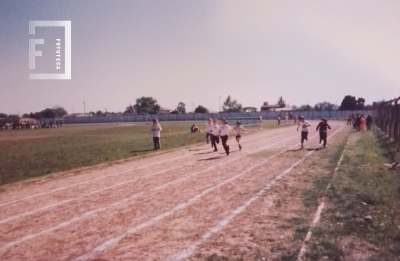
(163, 207)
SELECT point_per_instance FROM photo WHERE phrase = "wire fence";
(387, 118)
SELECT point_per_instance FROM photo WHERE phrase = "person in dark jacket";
(369, 122)
(323, 127)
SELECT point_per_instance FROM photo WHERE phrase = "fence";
(387, 118)
(266, 115)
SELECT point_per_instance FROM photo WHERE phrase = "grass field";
(363, 187)
(361, 218)
(31, 153)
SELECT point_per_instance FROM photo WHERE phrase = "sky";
(198, 51)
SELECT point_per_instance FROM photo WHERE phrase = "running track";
(161, 207)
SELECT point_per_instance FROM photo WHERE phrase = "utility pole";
(84, 109)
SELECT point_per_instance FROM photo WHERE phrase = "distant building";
(249, 109)
(72, 115)
(164, 110)
(272, 107)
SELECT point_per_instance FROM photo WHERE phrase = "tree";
(99, 113)
(294, 107)
(281, 102)
(324, 106)
(48, 113)
(305, 108)
(201, 109)
(130, 109)
(350, 103)
(181, 108)
(147, 105)
(360, 103)
(3, 115)
(59, 111)
(231, 105)
(174, 112)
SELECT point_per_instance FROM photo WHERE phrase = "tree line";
(55, 112)
(150, 105)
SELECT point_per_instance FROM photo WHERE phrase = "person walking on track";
(207, 128)
(156, 129)
(323, 127)
(214, 134)
(304, 129)
(224, 132)
(238, 132)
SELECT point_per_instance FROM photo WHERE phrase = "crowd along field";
(269, 201)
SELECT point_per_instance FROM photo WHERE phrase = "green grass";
(362, 187)
(30, 153)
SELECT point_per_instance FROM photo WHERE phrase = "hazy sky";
(195, 51)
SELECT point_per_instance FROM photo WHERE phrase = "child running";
(224, 131)
(208, 129)
(156, 129)
(238, 131)
(304, 129)
(323, 127)
(214, 135)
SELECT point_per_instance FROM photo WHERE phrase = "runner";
(238, 131)
(304, 129)
(208, 129)
(224, 131)
(323, 127)
(156, 129)
(214, 135)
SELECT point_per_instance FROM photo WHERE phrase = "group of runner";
(215, 132)
(323, 127)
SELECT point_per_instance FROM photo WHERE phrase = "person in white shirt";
(224, 131)
(304, 129)
(214, 134)
(208, 128)
(238, 132)
(156, 129)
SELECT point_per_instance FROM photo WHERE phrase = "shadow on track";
(203, 153)
(295, 149)
(199, 149)
(212, 158)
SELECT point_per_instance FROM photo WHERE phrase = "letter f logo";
(32, 51)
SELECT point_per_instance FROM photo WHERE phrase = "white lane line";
(224, 222)
(168, 213)
(109, 175)
(118, 203)
(135, 179)
(318, 213)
